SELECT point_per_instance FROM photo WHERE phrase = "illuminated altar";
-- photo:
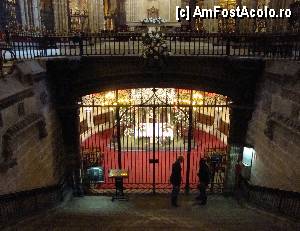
(153, 21)
(147, 115)
(154, 27)
(163, 130)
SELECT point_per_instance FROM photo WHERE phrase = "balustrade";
(269, 46)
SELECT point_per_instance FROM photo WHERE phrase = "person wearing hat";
(175, 180)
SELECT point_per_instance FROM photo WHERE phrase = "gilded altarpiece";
(137, 10)
(86, 15)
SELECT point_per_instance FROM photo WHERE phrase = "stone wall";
(274, 130)
(30, 135)
(31, 147)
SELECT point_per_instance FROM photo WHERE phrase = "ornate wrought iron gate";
(146, 135)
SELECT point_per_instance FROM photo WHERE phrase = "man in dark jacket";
(176, 180)
(204, 178)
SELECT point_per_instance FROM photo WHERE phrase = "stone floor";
(153, 212)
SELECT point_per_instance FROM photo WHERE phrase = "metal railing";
(268, 46)
(274, 200)
(17, 205)
(273, 46)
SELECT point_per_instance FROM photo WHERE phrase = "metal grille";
(28, 45)
(146, 138)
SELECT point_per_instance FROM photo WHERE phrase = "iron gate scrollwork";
(145, 130)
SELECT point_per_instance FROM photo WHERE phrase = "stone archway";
(143, 130)
(234, 77)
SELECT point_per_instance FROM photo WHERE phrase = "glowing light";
(110, 95)
(170, 96)
(248, 154)
(87, 109)
(198, 95)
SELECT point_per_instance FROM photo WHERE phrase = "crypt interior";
(98, 99)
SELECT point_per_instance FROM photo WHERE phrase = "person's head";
(202, 161)
(180, 159)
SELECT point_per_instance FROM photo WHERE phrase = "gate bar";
(119, 137)
(189, 149)
(153, 152)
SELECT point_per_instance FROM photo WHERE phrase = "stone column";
(184, 3)
(135, 10)
(246, 25)
(118, 7)
(130, 10)
(36, 13)
(237, 21)
(112, 10)
(121, 12)
(26, 13)
(96, 15)
(192, 4)
(101, 15)
(70, 124)
(279, 25)
(55, 13)
(65, 16)
(68, 112)
(56, 7)
(127, 8)
(22, 11)
(91, 7)
(113, 5)
(210, 25)
(61, 14)
(172, 10)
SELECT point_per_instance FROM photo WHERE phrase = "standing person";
(238, 180)
(176, 180)
(238, 171)
(204, 179)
